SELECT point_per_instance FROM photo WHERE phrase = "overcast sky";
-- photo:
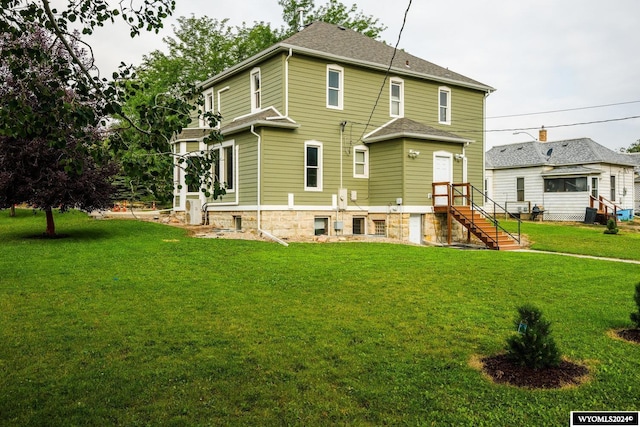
(541, 56)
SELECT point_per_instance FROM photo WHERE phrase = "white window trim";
(254, 105)
(447, 120)
(208, 95)
(319, 146)
(366, 161)
(340, 70)
(398, 82)
(222, 163)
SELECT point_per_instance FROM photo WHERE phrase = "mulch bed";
(504, 371)
(630, 335)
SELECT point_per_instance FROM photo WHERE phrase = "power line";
(564, 110)
(567, 124)
(386, 75)
(618, 119)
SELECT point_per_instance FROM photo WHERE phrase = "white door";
(442, 172)
(442, 168)
(415, 228)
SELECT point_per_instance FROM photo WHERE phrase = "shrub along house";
(325, 135)
(563, 178)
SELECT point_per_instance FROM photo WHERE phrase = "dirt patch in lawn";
(631, 335)
(501, 370)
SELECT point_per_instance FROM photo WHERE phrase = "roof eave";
(258, 123)
(397, 135)
(284, 47)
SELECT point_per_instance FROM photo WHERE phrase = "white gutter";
(286, 92)
(259, 189)
(286, 83)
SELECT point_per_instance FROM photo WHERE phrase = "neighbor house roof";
(579, 151)
(407, 128)
(340, 44)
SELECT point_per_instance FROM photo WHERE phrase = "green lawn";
(585, 239)
(131, 323)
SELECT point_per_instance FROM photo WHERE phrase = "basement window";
(380, 227)
(320, 226)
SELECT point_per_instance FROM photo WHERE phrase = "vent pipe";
(300, 12)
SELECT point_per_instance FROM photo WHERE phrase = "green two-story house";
(330, 132)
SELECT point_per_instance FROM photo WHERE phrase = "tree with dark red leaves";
(51, 135)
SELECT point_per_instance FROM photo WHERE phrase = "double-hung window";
(335, 87)
(208, 107)
(255, 89)
(224, 166)
(396, 98)
(520, 189)
(612, 188)
(313, 166)
(444, 105)
(360, 161)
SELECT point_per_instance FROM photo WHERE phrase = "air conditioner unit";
(194, 212)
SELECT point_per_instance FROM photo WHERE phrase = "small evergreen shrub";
(635, 317)
(533, 345)
(611, 227)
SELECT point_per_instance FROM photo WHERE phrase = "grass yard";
(131, 323)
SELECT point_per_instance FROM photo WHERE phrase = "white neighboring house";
(635, 158)
(559, 177)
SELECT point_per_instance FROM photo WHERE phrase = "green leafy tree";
(202, 47)
(333, 12)
(533, 345)
(634, 148)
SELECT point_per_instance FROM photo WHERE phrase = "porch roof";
(408, 128)
(571, 171)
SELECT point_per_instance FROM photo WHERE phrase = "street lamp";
(527, 133)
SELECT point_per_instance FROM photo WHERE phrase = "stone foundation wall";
(299, 225)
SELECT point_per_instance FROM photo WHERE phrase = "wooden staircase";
(484, 229)
(606, 209)
(457, 201)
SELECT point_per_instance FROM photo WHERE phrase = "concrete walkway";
(627, 261)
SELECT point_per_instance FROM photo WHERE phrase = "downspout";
(259, 189)
(286, 90)
(286, 83)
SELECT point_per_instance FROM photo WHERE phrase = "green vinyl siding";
(386, 165)
(392, 173)
(247, 144)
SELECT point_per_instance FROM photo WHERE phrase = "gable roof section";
(558, 153)
(339, 44)
(269, 117)
(407, 128)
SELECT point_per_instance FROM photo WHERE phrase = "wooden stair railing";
(458, 201)
(606, 208)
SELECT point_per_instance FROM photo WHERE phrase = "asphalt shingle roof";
(404, 127)
(558, 153)
(340, 44)
(335, 40)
